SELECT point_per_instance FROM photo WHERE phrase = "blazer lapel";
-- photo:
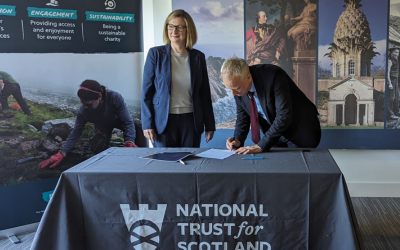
(193, 63)
(166, 62)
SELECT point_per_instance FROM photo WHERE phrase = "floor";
(379, 222)
(378, 219)
(26, 242)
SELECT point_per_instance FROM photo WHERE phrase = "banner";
(70, 27)
(335, 51)
(49, 48)
(351, 73)
(218, 27)
(284, 34)
(393, 98)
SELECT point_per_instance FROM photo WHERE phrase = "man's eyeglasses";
(177, 27)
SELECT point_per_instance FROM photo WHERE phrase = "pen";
(233, 139)
(182, 162)
(252, 158)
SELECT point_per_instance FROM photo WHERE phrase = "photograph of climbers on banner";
(38, 122)
(63, 101)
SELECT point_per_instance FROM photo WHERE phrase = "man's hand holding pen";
(232, 143)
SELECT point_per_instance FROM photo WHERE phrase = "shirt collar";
(253, 88)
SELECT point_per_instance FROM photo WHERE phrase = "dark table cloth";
(291, 199)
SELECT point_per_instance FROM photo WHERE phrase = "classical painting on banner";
(283, 33)
(47, 50)
(219, 25)
(393, 94)
(351, 63)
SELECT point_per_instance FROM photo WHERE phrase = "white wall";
(154, 14)
(370, 173)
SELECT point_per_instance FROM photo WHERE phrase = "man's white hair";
(234, 66)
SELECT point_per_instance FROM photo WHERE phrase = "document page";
(216, 154)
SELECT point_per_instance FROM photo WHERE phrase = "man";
(393, 84)
(284, 114)
(9, 86)
(106, 109)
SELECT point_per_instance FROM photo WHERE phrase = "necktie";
(255, 125)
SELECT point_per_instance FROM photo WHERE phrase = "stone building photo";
(351, 92)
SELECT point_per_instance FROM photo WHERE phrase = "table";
(291, 199)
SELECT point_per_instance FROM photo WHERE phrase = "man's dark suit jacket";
(156, 91)
(290, 113)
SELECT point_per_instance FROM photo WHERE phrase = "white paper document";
(216, 153)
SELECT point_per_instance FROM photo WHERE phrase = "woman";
(176, 99)
(107, 110)
(302, 31)
(269, 45)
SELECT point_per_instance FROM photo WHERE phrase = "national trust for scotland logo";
(144, 225)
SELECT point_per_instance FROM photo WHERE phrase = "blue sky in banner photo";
(219, 25)
(329, 12)
(63, 72)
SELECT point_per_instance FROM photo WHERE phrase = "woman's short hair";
(235, 66)
(258, 15)
(191, 33)
(88, 95)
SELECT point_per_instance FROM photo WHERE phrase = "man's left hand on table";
(249, 150)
